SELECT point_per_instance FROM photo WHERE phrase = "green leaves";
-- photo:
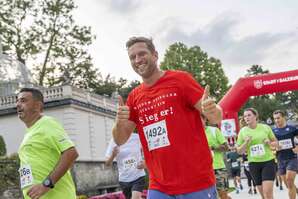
(42, 33)
(206, 70)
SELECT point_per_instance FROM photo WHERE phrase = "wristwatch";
(48, 183)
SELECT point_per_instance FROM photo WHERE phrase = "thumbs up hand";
(208, 103)
(122, 112)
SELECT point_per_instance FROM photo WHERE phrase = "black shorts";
(262, 171)
(129, 187)
(235, 172)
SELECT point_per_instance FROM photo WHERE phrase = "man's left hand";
(36, 191)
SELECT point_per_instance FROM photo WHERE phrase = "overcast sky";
(240, 33)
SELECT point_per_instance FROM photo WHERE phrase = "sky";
(238, 32)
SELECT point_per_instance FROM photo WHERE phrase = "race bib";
(285, 144)
(130, 163)
(26, 177)
(246, 165)
(156, 135)
(257, 150)
(235, 164)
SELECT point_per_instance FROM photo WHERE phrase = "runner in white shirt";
(130, 166)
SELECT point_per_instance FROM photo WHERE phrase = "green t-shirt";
(257, 150)
(41, 149)
(216, 138)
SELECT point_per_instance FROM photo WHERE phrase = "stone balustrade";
(64, 92)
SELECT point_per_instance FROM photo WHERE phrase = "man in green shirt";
(46, 153)
(218, 145)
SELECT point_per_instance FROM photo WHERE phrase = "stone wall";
(93, 178)
(9, 178)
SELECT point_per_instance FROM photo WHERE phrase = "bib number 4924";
(156, 135)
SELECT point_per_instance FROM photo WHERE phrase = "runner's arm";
(65, 162)
(122, 131)
(110, 159)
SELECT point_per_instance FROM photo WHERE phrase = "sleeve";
(192, 90)
(270, 133)
(240, 139)
(295, 131)
(130, 104)
(110, 147)
(59, 137)
(220, 137)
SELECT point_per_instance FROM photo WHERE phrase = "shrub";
(2, 147)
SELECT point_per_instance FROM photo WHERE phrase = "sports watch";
(48, 183)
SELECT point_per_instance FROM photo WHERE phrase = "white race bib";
(257, 150)
(130, 163)
(285, 144)
(235, 164)
(246, 165)
(26, 177)
(156, 135)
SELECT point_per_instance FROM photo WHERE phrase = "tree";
(2, 147)
(124, 91)
(256, 70)
(43, 33)
(205, 70)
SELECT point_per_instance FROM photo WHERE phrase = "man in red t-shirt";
(166, 110)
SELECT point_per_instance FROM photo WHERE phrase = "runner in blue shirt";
(286, 151)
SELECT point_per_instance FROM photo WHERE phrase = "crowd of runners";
(168, 127)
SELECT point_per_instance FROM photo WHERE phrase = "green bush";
(2, 147)
(9, 175)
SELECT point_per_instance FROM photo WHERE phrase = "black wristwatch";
(48, 183)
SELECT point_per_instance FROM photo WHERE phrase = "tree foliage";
(205, 70)
(42, 33)
(2, 147)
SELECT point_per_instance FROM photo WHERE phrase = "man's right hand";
(122, 112)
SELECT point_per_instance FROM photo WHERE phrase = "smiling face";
(27, 107)
(143, 61)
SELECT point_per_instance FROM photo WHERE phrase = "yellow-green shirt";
(216, 138)
(41, 148)
(257, 151)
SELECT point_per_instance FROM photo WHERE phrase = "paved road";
(278, 194)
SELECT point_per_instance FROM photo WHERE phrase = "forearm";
(122, 131)
(66, 161)
(216, 116)
(241, 149)
(221, 148)
(110, 160)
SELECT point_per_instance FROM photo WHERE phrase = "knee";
(290, 182)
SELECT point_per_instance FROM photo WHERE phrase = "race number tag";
(246, 165)
(130, 163)
(156, 135)
(285, 144)
(257, 150)
(26, 177)
(235, 164)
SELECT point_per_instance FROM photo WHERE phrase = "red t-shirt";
(171, 132)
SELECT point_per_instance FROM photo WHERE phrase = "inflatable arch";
(253, 86)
